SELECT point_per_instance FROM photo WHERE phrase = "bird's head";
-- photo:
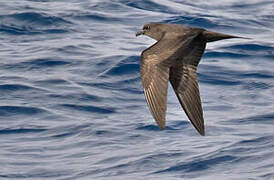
(153, 30)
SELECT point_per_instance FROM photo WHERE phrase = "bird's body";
(174, 58)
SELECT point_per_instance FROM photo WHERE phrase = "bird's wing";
(183, 78)
(155, 79)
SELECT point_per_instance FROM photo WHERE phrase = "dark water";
(72, 106)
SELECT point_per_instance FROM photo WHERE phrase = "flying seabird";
(174, 58)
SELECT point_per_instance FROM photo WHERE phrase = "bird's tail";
(214, 36)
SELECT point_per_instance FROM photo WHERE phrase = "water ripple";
(32, 23)
(37, 64)
(20, 131)
(20, 110)
(89, 108)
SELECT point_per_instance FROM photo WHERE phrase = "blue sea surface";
(72, 103)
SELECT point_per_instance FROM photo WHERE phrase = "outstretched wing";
(183, 78)
(184, 82)
(155, 79)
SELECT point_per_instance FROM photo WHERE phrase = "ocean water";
(72, 104)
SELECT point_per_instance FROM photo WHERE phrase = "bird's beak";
(140, 33)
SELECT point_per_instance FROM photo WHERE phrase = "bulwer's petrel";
(174, 57)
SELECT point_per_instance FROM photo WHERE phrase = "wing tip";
(201, 129)
(162, 126)
(202, 132)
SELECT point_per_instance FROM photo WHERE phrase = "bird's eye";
(146, 28)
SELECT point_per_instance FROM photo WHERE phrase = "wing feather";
(183, 78)
(188, 94)
(155, 79)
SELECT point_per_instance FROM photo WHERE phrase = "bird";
(174, 58)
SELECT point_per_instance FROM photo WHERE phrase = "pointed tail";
(214, 36)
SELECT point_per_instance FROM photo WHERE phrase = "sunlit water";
(72, 104)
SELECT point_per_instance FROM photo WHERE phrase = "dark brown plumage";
(174, 58)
